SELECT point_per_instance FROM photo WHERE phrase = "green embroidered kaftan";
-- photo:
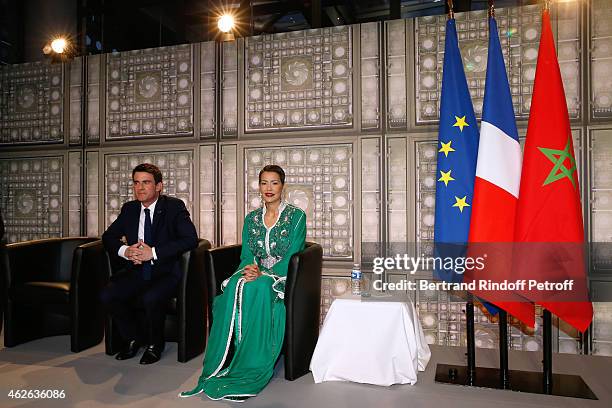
(252, 314)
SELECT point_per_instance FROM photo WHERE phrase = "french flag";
(498, 176)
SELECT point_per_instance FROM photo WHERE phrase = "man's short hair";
(149, 168)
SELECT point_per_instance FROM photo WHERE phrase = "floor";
(93, 379)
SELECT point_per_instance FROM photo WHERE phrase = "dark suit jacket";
(172, 230)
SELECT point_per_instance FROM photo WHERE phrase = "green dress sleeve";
(246, 255)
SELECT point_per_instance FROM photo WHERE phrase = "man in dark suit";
(146, 240)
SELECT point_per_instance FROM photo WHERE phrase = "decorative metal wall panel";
(149, 93)
(299, 79)
(370, 198)
(176, 168)
(208, 179)
(331, 288)
(370, 76)
(601, 59)
(568, 15)
(396, 74)
(76, 92)
(601, 198)
(602, 322)
(426, 159)
(74, 193)
(92, 196)
(443, 320)
(229, 191)
(397, 193)
(93, 98)
(31, 198)
(230, 89)
(207, 89)
(318, 180)
(519, 29)
(31, 103)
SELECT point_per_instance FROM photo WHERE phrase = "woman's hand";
(251, 272)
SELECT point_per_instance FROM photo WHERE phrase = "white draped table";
(373, 342)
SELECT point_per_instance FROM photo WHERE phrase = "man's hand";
(132, 253)
(251, 272)
(145, 253)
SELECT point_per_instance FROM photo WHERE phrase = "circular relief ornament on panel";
(25, 203)
(280, 157)
(474, 56)
(339, 287)
(148, 85)
(296, 73)
(26, 98)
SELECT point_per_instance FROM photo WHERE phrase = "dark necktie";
(146, 267)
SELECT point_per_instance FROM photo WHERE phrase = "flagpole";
(469, 306)
(504, 373)
(547, 373)
(547, 377)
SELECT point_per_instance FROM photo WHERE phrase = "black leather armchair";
(50, 287)
(302, 300)
(186, 313)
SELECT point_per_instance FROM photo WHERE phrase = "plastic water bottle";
(356, 279)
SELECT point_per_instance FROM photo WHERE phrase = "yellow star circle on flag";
(460, 202)
(446, 148)
(460, 122)
(446, 177)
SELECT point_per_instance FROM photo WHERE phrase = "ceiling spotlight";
(59, 45)
(59, 49)
(226, 23)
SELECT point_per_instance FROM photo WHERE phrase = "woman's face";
(270, 187)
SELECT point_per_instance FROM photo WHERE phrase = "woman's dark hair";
(149, 168)
(274, 169)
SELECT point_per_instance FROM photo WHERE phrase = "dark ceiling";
(121, 25)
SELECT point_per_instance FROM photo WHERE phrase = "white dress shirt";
(141, 223)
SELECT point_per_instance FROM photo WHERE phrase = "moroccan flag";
(456, 166)
(496, 187)
(549, 230)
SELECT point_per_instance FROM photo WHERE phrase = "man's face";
(145, 189)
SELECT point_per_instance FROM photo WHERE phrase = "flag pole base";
(564, 385)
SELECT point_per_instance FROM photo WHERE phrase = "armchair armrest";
(40, 260)
(221, 263)
(192, 303)
(89, 275)
(303, 302)
(89, 272)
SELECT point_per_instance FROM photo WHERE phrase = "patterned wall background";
(31, 104)
(364, 99)
(150, 93)
(298, 80)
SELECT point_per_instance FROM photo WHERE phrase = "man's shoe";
(152, 354)
(129, 350)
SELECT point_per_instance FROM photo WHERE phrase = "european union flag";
(457, 153)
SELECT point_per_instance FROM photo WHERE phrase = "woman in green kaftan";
(248, 327)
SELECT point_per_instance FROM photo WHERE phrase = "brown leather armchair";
(302, 300)
(50, 287)
(186, 316)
